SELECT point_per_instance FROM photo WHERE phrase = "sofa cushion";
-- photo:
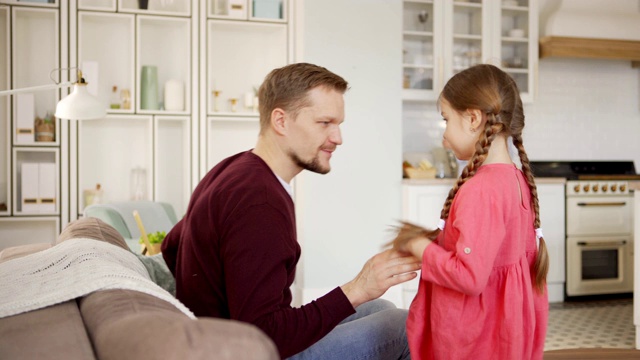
(92, 228)
(54, 332)
(128, 324)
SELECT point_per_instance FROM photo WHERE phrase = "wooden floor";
(592, 354)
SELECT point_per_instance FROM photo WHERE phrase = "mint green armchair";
(155, 216)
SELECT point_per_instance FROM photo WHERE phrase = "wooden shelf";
(557, 46)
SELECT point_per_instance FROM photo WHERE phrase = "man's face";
(315, 133)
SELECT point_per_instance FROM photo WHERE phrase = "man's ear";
(278, 121)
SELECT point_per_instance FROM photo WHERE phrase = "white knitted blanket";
(72, 269)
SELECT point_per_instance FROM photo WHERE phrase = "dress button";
(467, 250)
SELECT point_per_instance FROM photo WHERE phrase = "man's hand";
(379, 273)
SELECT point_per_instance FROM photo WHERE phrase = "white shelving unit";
(443, 37)
(110, 61)
(31, 43)
(138, 151)
(193, 46)
(259, 40)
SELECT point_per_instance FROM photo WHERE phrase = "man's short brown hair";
(287, 87)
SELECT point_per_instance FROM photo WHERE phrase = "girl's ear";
(476, 117)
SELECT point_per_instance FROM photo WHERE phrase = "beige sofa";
(122, 324)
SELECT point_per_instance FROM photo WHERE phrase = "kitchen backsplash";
(584, 110)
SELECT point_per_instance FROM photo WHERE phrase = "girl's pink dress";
(475, 299)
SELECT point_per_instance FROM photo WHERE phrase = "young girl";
(482, 294)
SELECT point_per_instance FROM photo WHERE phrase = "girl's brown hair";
(287, 88)
(496, 95)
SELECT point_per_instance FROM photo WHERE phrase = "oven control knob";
(576, 188)
(623, 187)
(594, 188)
(585, 188)
(614, 187)
(605, 187)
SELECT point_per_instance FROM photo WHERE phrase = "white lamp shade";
(80, 105)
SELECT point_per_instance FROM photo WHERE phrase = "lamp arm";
(36, 88)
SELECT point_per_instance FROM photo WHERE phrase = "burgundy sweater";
(234, 256)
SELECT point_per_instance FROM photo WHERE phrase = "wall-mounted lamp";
(79, 105)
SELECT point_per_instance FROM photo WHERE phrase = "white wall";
(343, 216)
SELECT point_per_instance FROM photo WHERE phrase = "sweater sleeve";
(170, 245)
(260, 253)
(464, 258)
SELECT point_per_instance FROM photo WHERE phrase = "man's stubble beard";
(311, 165)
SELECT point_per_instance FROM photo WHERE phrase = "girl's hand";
(411, 239)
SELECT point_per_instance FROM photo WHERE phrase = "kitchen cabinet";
(422, 202)
(31, 42)
(443, 37)
(551, 200)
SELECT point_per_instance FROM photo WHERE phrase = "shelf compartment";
(417, 79)
(97, 5)
(418, 16)
(239, 75)
(36, 187)
(165, 43)
(155, 7)
(109, 150)
(18, 231)
(268, 10)
(172, 161)
(33, 3)
(418, 51)
(228, 9)
(34, 32)
(229, 136)
(108, 62)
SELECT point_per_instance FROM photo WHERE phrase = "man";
(235, 252)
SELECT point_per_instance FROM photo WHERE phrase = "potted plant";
(156, 242)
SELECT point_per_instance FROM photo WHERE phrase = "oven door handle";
(619, 203)
(602, 243)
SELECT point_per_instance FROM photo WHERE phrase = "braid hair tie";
(441, 223)
(538, 236)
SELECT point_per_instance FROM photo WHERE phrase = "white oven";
(599, 222)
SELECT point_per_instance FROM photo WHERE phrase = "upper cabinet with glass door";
(517, 47)
(421, 49)
(443, 37)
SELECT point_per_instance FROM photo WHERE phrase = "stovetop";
(586, 170)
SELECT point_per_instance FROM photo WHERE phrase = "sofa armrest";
(21, 250)
(134, 325)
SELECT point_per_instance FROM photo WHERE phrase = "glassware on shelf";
(138, 183)
(114, 100)
(93, 196)
(216, 100)
(125, 98)
(234, 104)
(423, 17)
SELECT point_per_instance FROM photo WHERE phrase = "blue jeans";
(376, 331)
